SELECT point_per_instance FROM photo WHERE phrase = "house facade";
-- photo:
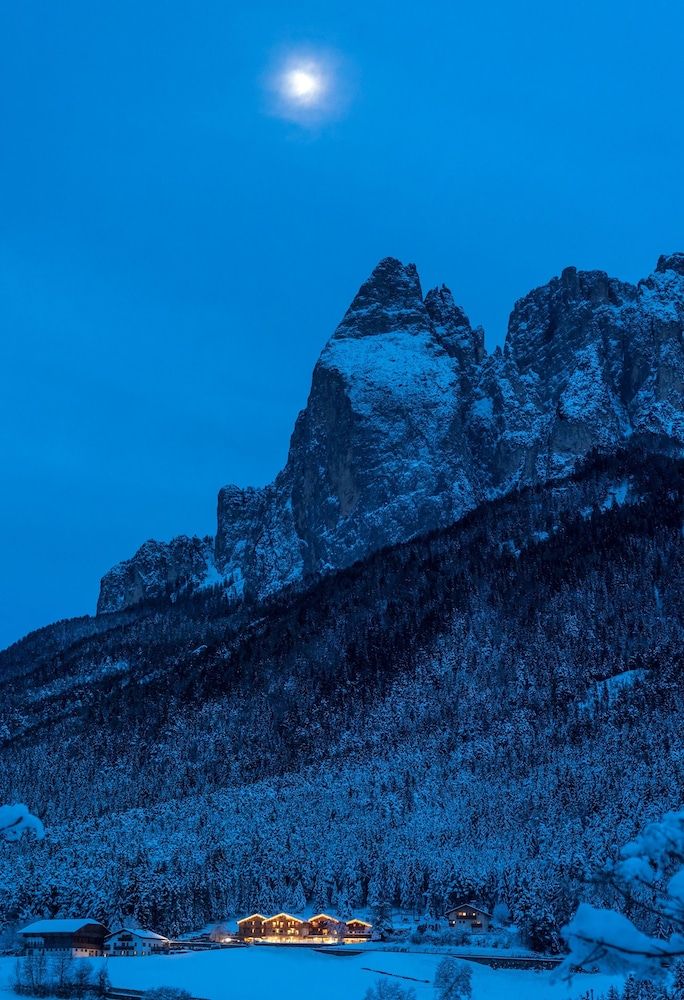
(358, 930)
(469, 916)
(326, 928)
(252, 926)
(78, 938)
(285, 928)
(130, 943)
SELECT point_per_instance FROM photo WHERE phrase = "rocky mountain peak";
(409, 424)
(390, 299)
(155, 568)
(444, 312)
(452, 327)
(671, 262)
(442, 308)
(552, 323)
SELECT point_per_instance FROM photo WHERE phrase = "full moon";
(303, 85)
(307, 86)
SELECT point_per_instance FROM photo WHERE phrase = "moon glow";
(308, 87)
(303, 84)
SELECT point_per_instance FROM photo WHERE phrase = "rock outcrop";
(155, 569)
(409, 423)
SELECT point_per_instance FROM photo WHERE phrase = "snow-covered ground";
(295, 973)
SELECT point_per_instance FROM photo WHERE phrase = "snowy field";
(302, 974)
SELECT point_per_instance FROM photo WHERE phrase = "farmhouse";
(130, 943)
(469, 916)
(78, 938)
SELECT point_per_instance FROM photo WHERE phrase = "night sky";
(178, 238)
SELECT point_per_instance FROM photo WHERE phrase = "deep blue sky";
(172, 258)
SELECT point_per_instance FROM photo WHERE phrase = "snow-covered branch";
(609, 941)
(16, 819)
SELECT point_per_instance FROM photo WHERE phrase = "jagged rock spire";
(452, 327)
(390, 299)
(408, 425)
(671, 262)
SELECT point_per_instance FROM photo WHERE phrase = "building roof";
(60, 926)
(358, 920)
(254, 916)
(325, 916)
(472, 904)
(287, 915)
(139, 932)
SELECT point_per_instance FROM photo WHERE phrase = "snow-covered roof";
(60, 926)
(472, 904)
(139, 932)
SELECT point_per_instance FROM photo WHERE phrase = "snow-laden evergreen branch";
(651, 865)
(16, 819)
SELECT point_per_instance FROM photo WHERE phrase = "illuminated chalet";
(283, 928)
(358, 928)
(283, 925)
(325, 926)
(469, 916)
(251, 927)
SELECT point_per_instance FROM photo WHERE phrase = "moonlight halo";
(307, 87)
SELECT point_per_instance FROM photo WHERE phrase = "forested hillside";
(431, 721)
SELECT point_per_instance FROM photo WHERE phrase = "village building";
(469, 916)
(358, 930)
(251, 927)
(284, 926)
(325, 927)
(78, 938)
(135, 943)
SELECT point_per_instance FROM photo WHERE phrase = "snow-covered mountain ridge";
(410, 424)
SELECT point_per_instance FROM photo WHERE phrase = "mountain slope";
(440, 654)
(421, 724)
(409, 424)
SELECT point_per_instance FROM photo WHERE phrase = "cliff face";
(157, 567)
(601, 360)
(409, 423)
